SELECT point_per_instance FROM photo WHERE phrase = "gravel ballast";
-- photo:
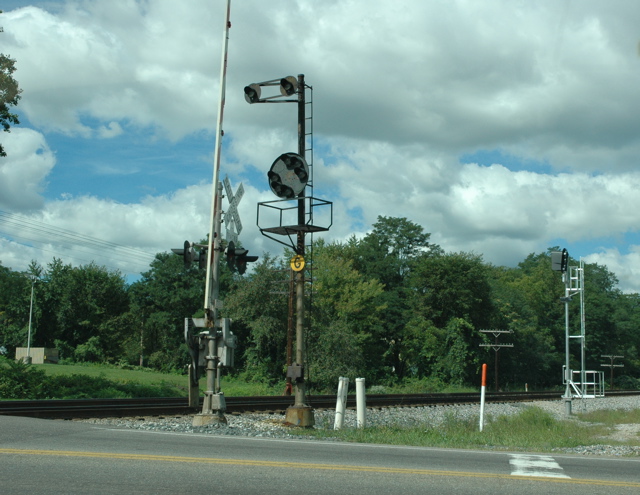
(271, 425)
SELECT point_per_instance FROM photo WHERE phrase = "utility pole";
(496, 347)
(27, 358)
(611, 365)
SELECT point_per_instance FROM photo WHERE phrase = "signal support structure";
(290, 174)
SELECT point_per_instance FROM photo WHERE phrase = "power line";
(22, 228)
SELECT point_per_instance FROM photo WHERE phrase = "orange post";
(484, 375)
(482, 390)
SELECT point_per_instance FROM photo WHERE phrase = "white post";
(341, 402)
(27, 359)
(361, 404)
(482, 389)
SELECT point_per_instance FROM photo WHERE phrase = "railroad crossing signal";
(189, 254)
(237, 258)
(232, 218)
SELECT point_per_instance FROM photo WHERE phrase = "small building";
(39, 355)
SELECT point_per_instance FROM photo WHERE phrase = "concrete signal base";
(300, 416)
(213, 413)
(208, 419)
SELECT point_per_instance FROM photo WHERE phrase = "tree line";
(391, 307)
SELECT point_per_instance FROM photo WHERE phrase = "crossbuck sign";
(232, 221)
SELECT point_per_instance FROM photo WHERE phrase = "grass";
(176, 384)
(612, 417)
(533, 429)
(140, 376)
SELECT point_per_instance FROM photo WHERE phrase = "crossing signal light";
(188, 253)
(241, 262)
(231, 256)
(202, 258)
(237, 259)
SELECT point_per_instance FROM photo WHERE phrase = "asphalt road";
(65, 457)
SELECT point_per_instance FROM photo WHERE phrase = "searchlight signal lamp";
(252, 93)
(288, 87)
(288, 175)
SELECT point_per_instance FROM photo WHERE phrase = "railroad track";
(101, 408)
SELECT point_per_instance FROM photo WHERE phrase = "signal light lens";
(252, 93)
(288, 175)
(288, 85)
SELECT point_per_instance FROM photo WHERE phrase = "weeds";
(612, 417)
(533, 429)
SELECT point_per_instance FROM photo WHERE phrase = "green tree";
(459, 359)
(160, 301)
(15, 292)
(627, 318)
(9, 94)
(388, 254)
(534, 358)
(76, 304)
(601, 297)
(258, 304)
(453, 285)
(450, 293)
(345, 337)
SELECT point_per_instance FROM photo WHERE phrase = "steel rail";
(100, 408)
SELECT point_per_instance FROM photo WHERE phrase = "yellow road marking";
(305, 465)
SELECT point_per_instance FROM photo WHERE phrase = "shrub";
(21, 381)
(90, 351)
(626, 382)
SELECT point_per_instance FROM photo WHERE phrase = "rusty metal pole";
(289, 386)
(300, 414)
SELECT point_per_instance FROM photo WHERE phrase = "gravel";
(271, 425)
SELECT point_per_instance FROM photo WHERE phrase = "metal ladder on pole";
(309, 213)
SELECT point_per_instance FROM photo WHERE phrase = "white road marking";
(535, 465)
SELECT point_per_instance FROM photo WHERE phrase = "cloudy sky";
(502, 127)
